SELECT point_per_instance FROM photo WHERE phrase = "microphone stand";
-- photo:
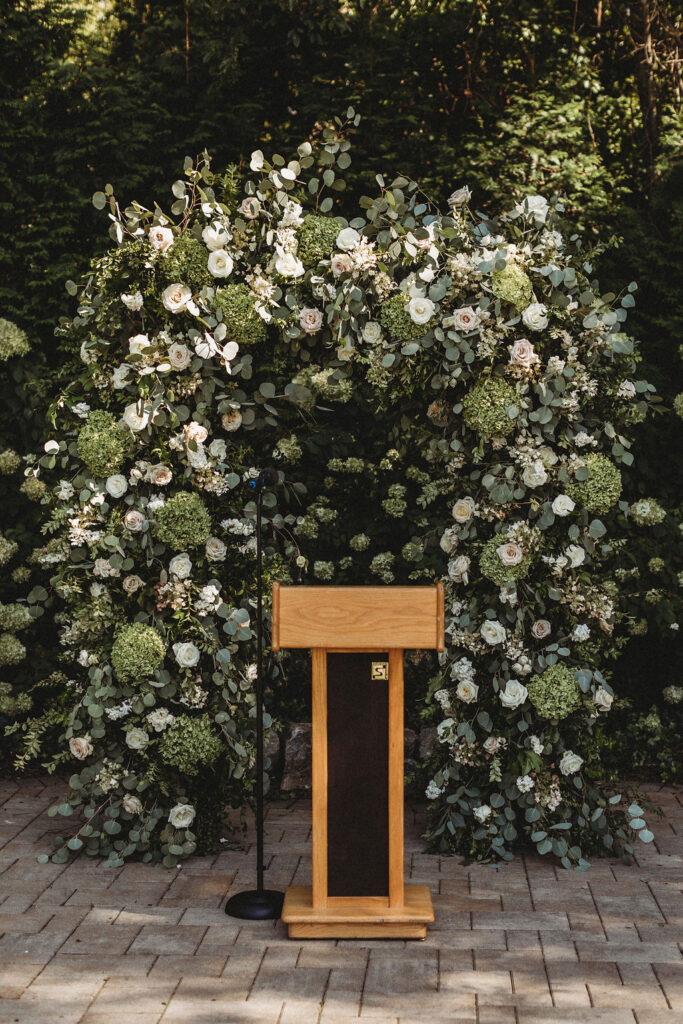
(258, 904)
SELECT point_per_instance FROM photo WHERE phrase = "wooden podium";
(357, 635)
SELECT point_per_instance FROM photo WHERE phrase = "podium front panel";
(357, 766)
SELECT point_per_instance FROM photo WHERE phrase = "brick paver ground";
(523, 943)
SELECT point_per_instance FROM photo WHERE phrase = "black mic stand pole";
(258, 904)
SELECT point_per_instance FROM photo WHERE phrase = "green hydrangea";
(395, 505)
(183, 522)
(22, 574)
(13, 341)
(678, 405)
(554, 693)
(136, 652)
(307, 527)
(317, 238)
(601, 489)
(382, 565)
(647, 512)
(190, 744)
(656, 564)
(324, 384)
(485, 407)
(288, 449)
(512, 285)
(102, 443)
(323, 570)
(186, 261)
(34, 488)
(14, 617)
(360, 542)
(495, 570)
(673, 694)
(9, 461)
(12, 651)
(237, 307)
(350, 465)
(412, 551)
(11, 704)
(8, 549)
(395, 319)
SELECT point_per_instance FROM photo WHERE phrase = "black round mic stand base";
(253, 905)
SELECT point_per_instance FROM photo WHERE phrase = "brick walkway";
(523, 943)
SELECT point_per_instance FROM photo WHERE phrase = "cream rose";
(341, 264)
(134, 520)
(250, 207)
(215, 549)
(522, 354)
(160, 238)
(535, 475)
(541, 629)
(461, 196)
(231, 421)
(467, 691)
(466, 319)
(449, 540)
(131, 583)
(180, 566)
(463, 510)
(176, 297)
(421, 310)
(134, 418)
(132, 804)
(510, 553)
(160, 475)
(576, 555)
(116, 485)
(186, 654)
(179, 356)
(535, 317)
(372, 332)
(287, 265)
(514, 694)
(80, 747)
(348, 238)
(137, 739)
(137, 343)
(563, 505)
(458, 569)
(602, 699)
(220, 263)
(196, 432)
(182, 815)
(310, 320)
(215, 236)
(493, 632)
(570, 763)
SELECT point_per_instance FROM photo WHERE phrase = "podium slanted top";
(358, 618)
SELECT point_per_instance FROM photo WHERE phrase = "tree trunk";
(641, 16)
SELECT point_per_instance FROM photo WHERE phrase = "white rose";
(179, 356)
(563, 505)
(482, 813)
(602, 699)
(372, 332)
(536, 208)
(467, 691)
(80, 747)
(348, 238)
(460, 196)
(535, 474)
(310, 320)
(576, 555)
(547, 456)
(160, 238)
(137, 343)
(180, 566)
(466, 319)
(522, 353)
(132, 804)
(449, 540)
(231, 421)
(463, 510)
(134, 301)
(535, 317)
(510, 553)
(493, 632)
(176, 297)
(541, 629)
(119, 377)
(220, 263)
(459, 568)
(187, 655)
(215, 236)
(340, 264)
(218, 449)
(287, 265)
(250, 207)
(131, 583)
(182, 815)
(135, 419)
(421, 310)
(116, 485)
(137, 739)
(514, 694)
(134, 520)
(215, 549)
(196, 432)
(570, 763)
(627, 389)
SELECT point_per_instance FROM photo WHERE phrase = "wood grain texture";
(339, 930)
(395, 775)
(319, 776)
(440, 617)
(275, 617)
(358, 618)
(358, 919)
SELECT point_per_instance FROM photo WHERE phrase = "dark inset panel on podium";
(358, 778)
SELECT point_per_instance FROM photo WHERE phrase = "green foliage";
(190, 744)
(602, 486)
(487, 408)
(136, 652)
(183, 522)
(555, 693)
(240, 316)
(102, 444)
(317, 238)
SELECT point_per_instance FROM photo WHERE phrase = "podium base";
(358, 917)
